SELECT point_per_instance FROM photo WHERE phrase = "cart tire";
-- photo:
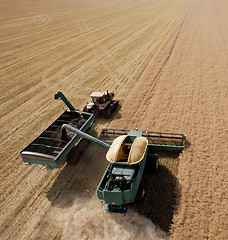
(85, 109)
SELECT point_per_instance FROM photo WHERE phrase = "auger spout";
(64, 99)
(84, 135)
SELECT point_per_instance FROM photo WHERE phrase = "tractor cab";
(101, 97)
(98, 97)
(102, 103)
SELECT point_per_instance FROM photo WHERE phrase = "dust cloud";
(87, 219)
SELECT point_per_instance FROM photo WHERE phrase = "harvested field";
(167, 63)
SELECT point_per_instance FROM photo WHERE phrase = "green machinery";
(49, 149)
(128, 151)
(127, 156)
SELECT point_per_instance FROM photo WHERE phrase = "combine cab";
(102, 104)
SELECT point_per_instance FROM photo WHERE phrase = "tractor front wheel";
(85, 109)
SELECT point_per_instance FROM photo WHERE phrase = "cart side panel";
(49, 149)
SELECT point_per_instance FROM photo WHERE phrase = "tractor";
(102, 104)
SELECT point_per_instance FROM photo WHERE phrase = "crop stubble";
(79, 46)
(184, 89)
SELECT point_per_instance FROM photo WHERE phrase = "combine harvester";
(127, 156)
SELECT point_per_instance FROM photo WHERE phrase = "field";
(167, 62)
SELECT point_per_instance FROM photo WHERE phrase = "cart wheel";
(85, 109)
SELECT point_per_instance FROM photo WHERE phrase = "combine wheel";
(152, 162)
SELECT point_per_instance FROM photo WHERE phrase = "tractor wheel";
(85, 109)
(107, 112)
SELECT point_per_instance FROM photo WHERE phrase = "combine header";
(167, 142)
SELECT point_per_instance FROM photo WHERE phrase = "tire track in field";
(29, 213)
(40, 67)
(138, 108)
(190, 97)
(91, 40)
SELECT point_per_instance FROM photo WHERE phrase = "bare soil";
(167, 63)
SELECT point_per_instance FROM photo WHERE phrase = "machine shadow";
(86, 166)
(160, 197)
(82, 173)
(115, 115)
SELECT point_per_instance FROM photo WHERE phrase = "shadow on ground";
(160, 199)
(115, 115)
(85, 167)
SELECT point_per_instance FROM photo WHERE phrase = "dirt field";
(167, 62)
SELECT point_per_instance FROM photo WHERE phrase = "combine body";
(102, 104)
(120, 183)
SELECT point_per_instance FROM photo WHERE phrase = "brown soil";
(168, 77)
(184, 89)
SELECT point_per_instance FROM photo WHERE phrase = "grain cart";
(102, 104)
(49, 148)
(127, 155)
